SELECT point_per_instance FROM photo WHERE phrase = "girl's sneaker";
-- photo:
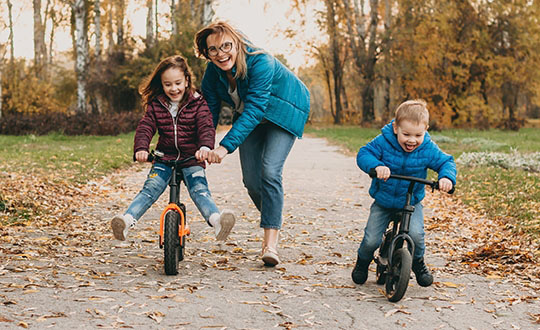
(120, 226)
(224, 225)
(270, 257)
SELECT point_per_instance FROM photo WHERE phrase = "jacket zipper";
(175, 132)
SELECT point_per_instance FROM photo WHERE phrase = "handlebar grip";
(372, 173)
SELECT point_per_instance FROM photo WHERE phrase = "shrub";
(69, 124)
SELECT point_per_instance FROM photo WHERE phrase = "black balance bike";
(394, 256)
(173, 227)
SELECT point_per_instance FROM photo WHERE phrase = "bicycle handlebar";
(433, 184)
(152, 156)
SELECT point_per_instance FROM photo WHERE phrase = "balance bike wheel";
(398, 275)
(171, 243)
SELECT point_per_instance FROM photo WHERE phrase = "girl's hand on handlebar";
(383, 172)
(445, 184)
(202, 154)
(141, 156)
(216, 156)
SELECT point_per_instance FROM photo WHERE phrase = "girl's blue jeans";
(262, 157)
(158, 180)
(378, 220)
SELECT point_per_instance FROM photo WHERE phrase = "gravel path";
(82, 278)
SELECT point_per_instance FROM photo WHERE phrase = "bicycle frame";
(174, 199)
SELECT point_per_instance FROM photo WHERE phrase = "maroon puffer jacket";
(192, 128)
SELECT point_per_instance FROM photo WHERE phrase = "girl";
(181, 117)
(271, 108)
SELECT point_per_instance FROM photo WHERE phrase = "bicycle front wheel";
(398, 275)
(171, 243)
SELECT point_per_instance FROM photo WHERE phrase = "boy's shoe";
(423, 275)
(226, 221)
(360, 271)
(120, 226)
(270, 256)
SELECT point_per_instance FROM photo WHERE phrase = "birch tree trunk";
(10, 38)
(174, 26)
(40, 50)
(120, 15)
(110, 29)
(150, 24)
(97, 26)
(207, 12)
(81, 58)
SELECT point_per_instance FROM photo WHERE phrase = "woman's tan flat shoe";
(270, 256)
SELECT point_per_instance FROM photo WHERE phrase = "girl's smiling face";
(174, 83)
(224, 48)
(410, 135)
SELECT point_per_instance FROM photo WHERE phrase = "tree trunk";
(81, 58)
(207, 12)
(110, 29)
(40, 50)
(368, 93)
(120, 15)
(387, 58)
(10, 38)
(97, 26)
(337, 66)
(150, 24)
(156, 33)
(174, 26)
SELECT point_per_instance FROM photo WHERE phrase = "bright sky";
(263, 21)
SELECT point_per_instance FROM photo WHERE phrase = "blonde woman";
(271, 107)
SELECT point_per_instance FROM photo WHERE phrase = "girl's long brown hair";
(151, 86)
(240, 42)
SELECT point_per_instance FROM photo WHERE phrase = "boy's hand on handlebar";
(445, 184)
(141, 156)
(216, 156)
(383, 172)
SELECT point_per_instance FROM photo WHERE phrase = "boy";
(404, 148)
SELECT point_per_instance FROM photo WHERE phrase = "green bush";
(69, 124)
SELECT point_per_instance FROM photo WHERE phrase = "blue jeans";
(378, 220)
(262, 156)
(158, 180)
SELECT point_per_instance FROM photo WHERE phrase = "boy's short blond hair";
(413, 110)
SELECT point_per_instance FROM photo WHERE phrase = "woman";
(271, 107)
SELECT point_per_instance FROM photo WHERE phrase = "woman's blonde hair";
(413, 110)
(240, 42)
(151, 86)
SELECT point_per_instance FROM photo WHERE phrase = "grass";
(72, 158)
(511, 195)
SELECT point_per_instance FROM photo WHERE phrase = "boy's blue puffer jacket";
(384, 150)
(270, 91)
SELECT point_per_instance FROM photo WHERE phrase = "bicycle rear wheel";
(399, 273)
(171, 243)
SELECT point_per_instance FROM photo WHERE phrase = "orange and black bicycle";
(173, 227)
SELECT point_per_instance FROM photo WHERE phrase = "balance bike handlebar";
(433, 184)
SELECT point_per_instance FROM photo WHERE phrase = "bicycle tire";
(398, 275)
(171, 243)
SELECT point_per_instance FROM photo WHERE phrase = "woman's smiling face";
(225, 50)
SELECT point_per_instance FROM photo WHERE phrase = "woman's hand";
(383, 172)
(216, 156)
(141, 156)
(445, 184)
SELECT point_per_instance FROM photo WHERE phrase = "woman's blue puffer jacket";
(270, 91)
(384, 150)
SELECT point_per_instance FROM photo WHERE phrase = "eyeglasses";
(225, 47)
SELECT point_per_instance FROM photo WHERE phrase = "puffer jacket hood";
(384, 150)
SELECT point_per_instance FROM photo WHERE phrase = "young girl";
(181, 117)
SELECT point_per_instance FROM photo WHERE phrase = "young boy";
(404, 148)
